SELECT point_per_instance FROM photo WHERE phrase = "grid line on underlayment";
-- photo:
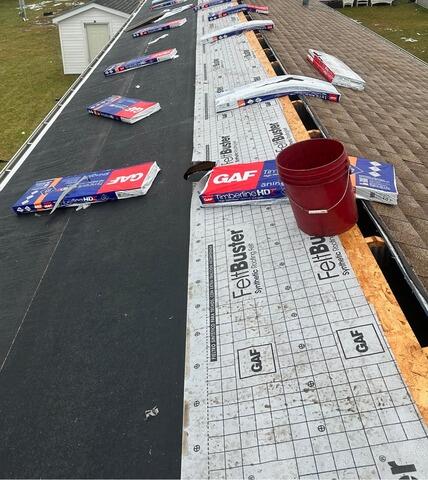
(405, 402)
(267, 397)
(207, 340)
(361, 431)
(207, 334)
(331, 457)
(332, 450)
(272, 430)
(291, 443)
(398, 389)
(254, 393)
(321, 403)
(251, 416)
(274, 424)
(289, 410)
(386, 392)
(255, 424)
(232, 334)
(369, 442)
(219, 357)
(298, 442)
(231, 313)
(240, 116)
(242, 430)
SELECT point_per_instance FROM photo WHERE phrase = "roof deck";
(96, 302)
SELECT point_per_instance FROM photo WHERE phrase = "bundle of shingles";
(334, 70)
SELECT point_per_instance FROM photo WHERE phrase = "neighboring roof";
(114, 6)
(126, 6)
(387, 121)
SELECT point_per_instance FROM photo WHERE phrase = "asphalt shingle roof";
(388, 121)
(126, 6)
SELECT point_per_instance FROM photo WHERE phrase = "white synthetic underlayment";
(288, 374)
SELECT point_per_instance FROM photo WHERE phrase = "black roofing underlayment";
(93, 303)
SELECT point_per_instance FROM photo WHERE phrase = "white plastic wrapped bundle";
(274, 87)
(334, 70)
(237, 30)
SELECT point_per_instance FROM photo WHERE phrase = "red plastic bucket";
(316, 177)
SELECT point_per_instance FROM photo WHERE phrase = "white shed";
(86, 29)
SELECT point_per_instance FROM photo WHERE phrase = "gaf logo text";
(235, 177)
(126, 178)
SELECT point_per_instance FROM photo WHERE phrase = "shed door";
(98, 35)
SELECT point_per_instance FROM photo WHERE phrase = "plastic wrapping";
(334, 70)
(139, 62)
(274, 87)
(237, 30)
(123, 109)
(88, 188)
(212, 3)
(166, 3)
(159, 28)
(244, 7)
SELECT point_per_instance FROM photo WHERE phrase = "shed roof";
(126, 6)
(123, 6)
(386, 122)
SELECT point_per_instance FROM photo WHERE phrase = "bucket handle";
(317, 212)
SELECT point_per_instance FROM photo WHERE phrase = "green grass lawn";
(401, 21)
(30, 71)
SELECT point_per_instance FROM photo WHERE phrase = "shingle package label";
(166, 3)
(139, 62)
(243, 183)
(288, 373)
(159, 28)
(88, 188)
(374, 180)
(212, 3)
(123, 109)
(244, 7)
